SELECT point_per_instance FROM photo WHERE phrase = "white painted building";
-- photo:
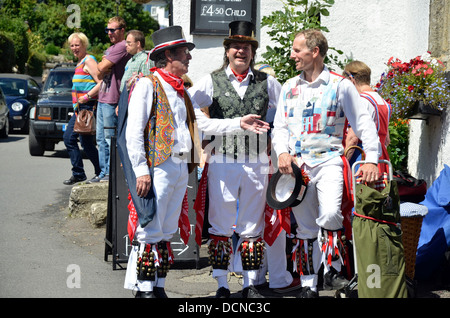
(370, 31)
(158, 10)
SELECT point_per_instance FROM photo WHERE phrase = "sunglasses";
(111, 30)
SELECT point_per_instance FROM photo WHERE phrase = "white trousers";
(229, 182)
(275, 258)
(170, 183)
(321, 207)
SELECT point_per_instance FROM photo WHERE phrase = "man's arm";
(139, 110)
(104, 67)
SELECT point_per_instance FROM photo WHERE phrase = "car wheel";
(26, 128)
(36, 146)
(5, 131)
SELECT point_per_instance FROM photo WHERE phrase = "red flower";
(410, 88)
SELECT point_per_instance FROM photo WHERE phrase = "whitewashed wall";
(370, 31)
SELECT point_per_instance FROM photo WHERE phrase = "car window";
(33, 83)
(59, 82)
(13, 87)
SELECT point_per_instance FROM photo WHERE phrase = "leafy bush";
(398, 146)
(297, 15)
(52, 49)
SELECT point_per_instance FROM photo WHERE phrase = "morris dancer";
(238, 166)
(308, 130)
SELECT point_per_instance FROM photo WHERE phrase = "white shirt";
(139, 110)
(347, 95)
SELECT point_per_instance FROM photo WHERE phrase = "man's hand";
(369, 173)
(285, 163)
(252, 123)
(143, 184)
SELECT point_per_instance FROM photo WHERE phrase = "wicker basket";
(411, 227)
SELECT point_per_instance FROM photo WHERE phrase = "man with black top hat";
(163, 147)
(238, 164)
(309, 126)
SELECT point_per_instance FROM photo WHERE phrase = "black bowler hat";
(241, 31)
(169, 38)
(286, 191)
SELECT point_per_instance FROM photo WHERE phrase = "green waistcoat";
(227, 104)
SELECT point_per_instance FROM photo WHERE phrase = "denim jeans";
(106, 124)
(87, 143)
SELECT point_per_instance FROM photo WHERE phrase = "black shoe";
(73, 180)
(251, 292)
(95, 179)
(159, 292)
(223, 292)
(307, 293)
(332, 280)
(147, 294)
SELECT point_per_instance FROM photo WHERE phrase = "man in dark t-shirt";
(111, 70)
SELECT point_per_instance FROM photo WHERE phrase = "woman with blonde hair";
(85, 86)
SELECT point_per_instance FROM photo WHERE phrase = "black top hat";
(241, 31)
(292, 188)
(169, 38)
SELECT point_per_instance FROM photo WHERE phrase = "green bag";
(378, 242)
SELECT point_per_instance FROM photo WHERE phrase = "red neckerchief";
(176, 82)
(239, 77)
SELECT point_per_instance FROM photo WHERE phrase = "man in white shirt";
(165, 146)
(308, 131)
(238, 164)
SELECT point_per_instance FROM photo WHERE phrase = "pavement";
(190, 279)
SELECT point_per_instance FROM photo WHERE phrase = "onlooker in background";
(359, 74)
(111, 70)
(139, 62)
(85, 86)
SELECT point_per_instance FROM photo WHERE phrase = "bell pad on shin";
(219, 250)
(154, 259)
(252, 254)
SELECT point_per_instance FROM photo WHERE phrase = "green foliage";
(47, 21)
(7, 53)
(297, 15)
(398, 146)
(52, 49)
(35, 64)
(16, 30)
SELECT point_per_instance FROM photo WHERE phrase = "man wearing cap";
(163, 147)
(238, 164)
(308, 131)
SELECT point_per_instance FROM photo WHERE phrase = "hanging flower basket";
(416, 88)
(423, 111)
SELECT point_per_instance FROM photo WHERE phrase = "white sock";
(249, 277)
(222, 281)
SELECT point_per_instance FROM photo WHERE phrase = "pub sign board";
(211, 17)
